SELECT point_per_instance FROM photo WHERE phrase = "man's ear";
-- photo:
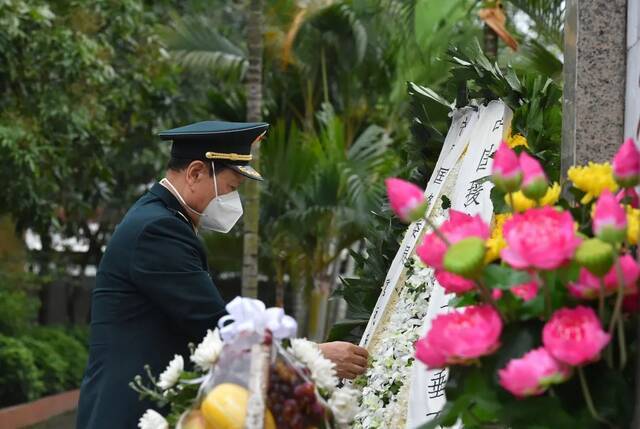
(196, 171)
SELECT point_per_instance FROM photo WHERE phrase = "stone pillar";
(632, 127)
(632, 108)
(594, 80)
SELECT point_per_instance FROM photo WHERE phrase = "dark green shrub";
(19, 376)
(53, 368)
(17, 311)
(73, 353)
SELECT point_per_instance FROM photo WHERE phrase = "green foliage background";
(85, 85)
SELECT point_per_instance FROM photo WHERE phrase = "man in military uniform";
(153, 291)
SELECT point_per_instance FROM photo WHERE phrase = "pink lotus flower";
(505, 170)
(626, 164)
(574, 336)
(457, 227)
(407, 200)
(496, 294)
(533, 373)
(429, 355)
(631, 196)
(534, 184)
(526, 291)
(588, 285)
(453, 283)
(460, 337)
(609, 219)
(542, 238)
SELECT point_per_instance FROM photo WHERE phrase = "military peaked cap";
(225, 142)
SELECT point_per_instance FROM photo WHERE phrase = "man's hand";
(350, 360)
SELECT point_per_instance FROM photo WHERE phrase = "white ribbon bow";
(250, 316)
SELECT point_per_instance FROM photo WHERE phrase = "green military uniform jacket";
(153, 296)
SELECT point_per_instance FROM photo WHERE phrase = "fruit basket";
(250, 374)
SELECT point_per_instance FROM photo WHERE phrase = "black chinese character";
(405, 254)
(473, 193)
(441, 175)
(497, 125)
(484, 158)
(437, 384)
(463, 126)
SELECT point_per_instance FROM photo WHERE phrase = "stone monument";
(601, 86)
(632, 106)
(595, 58)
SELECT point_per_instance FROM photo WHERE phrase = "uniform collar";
(171, 202)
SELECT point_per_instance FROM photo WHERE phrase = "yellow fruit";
(225, 407)
(194, 420)
(269, 421)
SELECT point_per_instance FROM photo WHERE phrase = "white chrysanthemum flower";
(171, 375)
(344, 404)
(152, 420)
(208, 351)
(323, 371)
(393, 354)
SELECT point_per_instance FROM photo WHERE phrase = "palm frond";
(196, 44)
(471, 64)
(337, 25)
(228, 104)
(357, 29)
(535, 56)
(369, 146)
(548, 17)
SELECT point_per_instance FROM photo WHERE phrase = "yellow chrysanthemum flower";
(496, 242)
(517, 140)
(552, 196)
(633, 225)
(523, 203)
(593, 179)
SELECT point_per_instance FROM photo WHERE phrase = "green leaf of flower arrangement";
(502, 277)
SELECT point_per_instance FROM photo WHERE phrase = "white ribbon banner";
(473, 187)
(455, 142)
(472, 196)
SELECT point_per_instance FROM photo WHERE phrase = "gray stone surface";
(632, 107)
(633, 23)
(594, 79)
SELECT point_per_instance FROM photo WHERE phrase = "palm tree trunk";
(333, 305)
(318, 307)
(280, 267)
(254, 114)
(301, 309)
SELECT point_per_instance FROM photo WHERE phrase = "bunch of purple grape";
(292, 400)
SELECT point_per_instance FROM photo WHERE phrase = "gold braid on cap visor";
(228, 156)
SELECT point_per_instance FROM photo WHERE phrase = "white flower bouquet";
(249, 373)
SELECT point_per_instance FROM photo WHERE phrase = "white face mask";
(222, 212)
